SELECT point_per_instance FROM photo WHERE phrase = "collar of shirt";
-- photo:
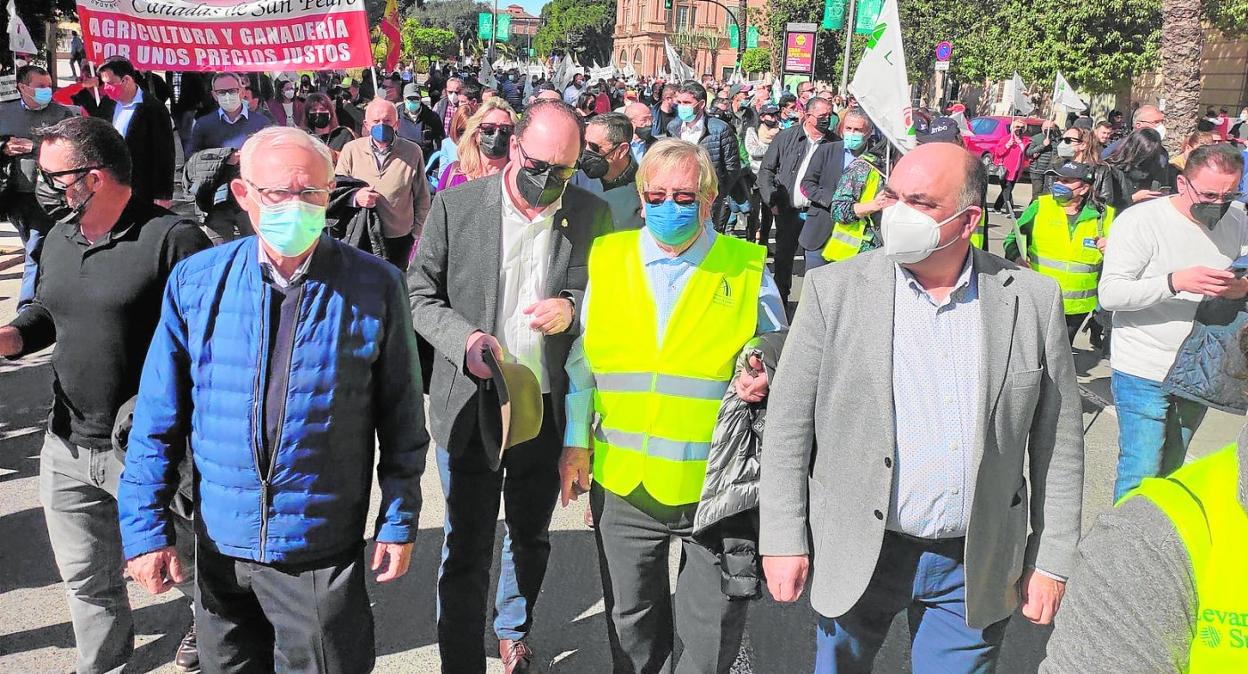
(651, 253)
(513, 211)
(138, 98)
(965, 290)
(696, 125)
(242, 115)
(273, 275)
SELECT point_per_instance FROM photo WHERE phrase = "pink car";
(988, 131)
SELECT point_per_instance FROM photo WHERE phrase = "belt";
(927, 542)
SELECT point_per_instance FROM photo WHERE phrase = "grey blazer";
(453, 286)
(830, 438)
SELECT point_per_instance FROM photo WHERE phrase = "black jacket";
(150, 139)
(426, 130)
(778, 172)
(720, 142)
(819, 184)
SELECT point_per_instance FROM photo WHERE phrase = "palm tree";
(1182, 40)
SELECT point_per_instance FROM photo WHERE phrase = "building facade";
(697, 29)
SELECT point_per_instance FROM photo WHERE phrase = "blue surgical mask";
(672, 224)
(43, 95)
(290, 228)
(412, 106)
(686, 113)
(1061, 193)
(382, 133)
(854, 140)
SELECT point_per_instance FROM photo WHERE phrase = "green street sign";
(532, 52)
(485, 25)
(734, 38)
(751, 37)
(868, 12)
(833, 14)
(503, 32)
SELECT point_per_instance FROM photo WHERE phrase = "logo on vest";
(1223, 628)
(723, 296)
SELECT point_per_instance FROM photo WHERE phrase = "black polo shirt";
(99, 303)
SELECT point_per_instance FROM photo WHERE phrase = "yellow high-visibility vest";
(847, 237)
(1202, 500)
(979, 238)
(657, 400)
(1069, 257)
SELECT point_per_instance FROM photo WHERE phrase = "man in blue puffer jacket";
(283, 359)
(716, 136)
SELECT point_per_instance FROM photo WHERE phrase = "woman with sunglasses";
(484, 145)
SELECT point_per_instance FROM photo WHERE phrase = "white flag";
(20, 40)
(880, 83)
(1020, 102)
(777, 88)
(680, 71)
(528, 86)
(1064, 94)
(486, 76)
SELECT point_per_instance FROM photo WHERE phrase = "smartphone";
(1164, 190)
(1240, 266)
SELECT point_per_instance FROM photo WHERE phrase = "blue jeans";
(927, 580)
(1154, 430)
(33, 243)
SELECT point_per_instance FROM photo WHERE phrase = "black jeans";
(254, 618)
(399, 251)
(1006, 195)
(789, 225)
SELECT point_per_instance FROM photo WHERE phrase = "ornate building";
(696, 28)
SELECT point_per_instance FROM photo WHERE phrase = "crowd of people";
(256, 289)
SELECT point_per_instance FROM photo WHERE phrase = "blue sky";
(533, 7)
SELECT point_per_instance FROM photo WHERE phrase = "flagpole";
(849, 37)
(95, 91)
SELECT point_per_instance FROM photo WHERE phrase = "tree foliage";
(422, 41)
(756, 60)
(457, 16)
(35, 14)
(580, 27)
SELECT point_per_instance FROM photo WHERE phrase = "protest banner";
(227, 35)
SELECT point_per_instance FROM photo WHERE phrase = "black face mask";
(593, 164)
(318, 120)
(644, 132)
(539, 188)
(55, 202)
(822, 125)
(1210, 215)
(494, 145)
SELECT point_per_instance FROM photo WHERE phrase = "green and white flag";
(880, 83)
(1064, 95)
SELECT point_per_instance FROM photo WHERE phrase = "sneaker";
(187, 657)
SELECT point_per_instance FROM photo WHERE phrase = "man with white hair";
(283, 359)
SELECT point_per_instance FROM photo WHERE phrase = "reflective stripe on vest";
(979, 237)
(1068, 257)
(847, 237)
(656, 402)
(1202, 500)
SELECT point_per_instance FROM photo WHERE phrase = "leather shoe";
(187, 657)
(517, 656)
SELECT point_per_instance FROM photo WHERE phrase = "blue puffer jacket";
(720, 141)
(354, 373)
(1210, 367)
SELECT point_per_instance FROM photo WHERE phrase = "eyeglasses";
(225, 92)
(681, 197)
(49, 175)
(536, 166)
(594, 148)
(1071, 139)
(491, 128)
(272, 196)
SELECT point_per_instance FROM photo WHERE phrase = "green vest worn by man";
(847, 237)
(1068, 256)
(1202, 500)
(657, 401)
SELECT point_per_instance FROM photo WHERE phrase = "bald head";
(1148, 117)
(639, 114)
(380, 111)
(545, 117)
(946, 175)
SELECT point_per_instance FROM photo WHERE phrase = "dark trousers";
(789, 224)
(759, 222)
(527, 483)
(258, 618)
(644, 621)
(1073, 323)
(1006, 196)
(399, 250)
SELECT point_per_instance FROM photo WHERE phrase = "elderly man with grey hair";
(939, 470)
(288, 361)
(827, 167)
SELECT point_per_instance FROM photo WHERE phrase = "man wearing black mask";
(607, 157)
(643, 129)
(501, 267)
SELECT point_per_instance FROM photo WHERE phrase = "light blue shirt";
(666, 277)
(937, 354)
(122, 114)
(638, 148)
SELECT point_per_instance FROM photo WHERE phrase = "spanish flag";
(390, 28)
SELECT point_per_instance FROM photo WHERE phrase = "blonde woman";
(484, 146)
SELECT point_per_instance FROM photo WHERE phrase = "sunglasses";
(681, 197)
(1071, 139)
(537, 166)
(490, 128)
(49, 175)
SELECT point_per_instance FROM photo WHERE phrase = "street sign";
(833, 14)
(799, 48)
(942, 65)
(944, 50)
(751, 37)
(734, 40)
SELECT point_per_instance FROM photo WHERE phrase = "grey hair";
(275, 137)
(975, 180)
(234, 76)
(859, 114)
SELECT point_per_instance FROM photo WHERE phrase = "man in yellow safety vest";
(666, 313)
(1066, 235)
(1160, 587)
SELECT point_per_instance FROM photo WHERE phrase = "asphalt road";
(569, 635)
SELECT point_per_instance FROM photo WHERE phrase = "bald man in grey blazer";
(924, 416)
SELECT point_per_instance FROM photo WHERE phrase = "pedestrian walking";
(819, 185)
(484, 147)
(715, 136)
(146, 125)
(1008, 155)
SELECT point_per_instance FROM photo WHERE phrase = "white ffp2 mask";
(910, 235)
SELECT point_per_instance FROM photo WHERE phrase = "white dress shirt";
(524, 263)
(693, 131)
(124, 112)
(799, 197)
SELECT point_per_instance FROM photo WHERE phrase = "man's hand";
(90, 82)
(1041, 597)
(1145, 195)
(233, 159)
(751, 382)
(786, 576)
(157, 571)
(474, 356)
(1022, 262)
(10, 341)
(573, 474)
(400, 555)
(879, 203)
(18, 146)
(1101, 242)
(1235, 290)
(1202, 280)
(550, 317)
(366, 197)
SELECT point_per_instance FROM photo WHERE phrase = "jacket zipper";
(265, 485)
(257, 397)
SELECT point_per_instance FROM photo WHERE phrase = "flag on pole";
(390, 29)
(486, 76)
(1064, 94)
(528, 86)
(680, 71)
(20, 40)
(1020, 102)
(777, 88)
(880, 83)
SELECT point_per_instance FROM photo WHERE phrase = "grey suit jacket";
(453, 285)
(830, 439)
